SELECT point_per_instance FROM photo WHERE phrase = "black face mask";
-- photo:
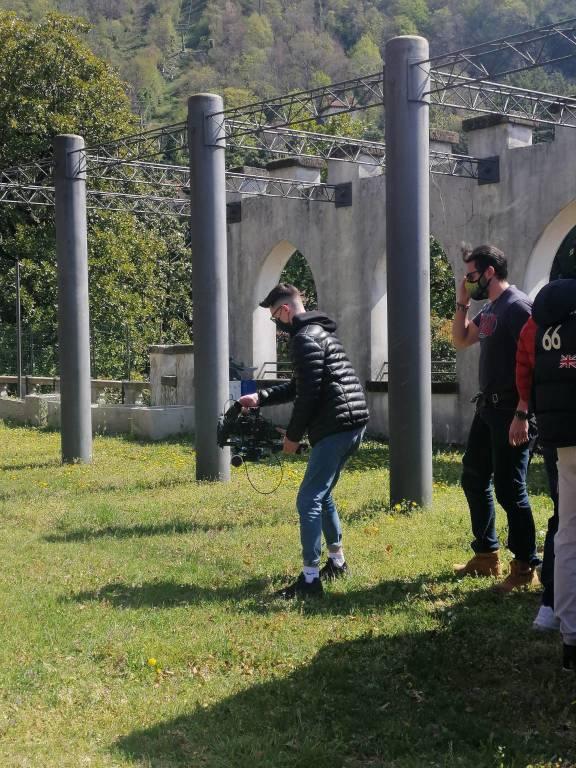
(282, 326)
(478, 290)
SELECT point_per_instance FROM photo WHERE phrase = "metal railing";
(443, 371)
(274, 369)
(102, 390)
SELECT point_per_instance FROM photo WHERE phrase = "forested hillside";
(169, 49)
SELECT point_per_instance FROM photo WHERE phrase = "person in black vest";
(488, 453)
(554, 313)
(329, 404)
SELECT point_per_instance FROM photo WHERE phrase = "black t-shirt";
(499, 323)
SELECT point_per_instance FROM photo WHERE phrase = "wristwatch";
(522, 415)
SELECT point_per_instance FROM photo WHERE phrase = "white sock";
(310, 573)
(337, 557)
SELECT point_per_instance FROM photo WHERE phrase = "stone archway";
(263, 331)
(379, 322)
(544, 252)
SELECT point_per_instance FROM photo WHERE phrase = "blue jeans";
(315, 504)
(489, 454)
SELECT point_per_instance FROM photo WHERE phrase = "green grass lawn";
(138, 626)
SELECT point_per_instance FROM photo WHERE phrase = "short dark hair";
(282, 291)
(487, 256)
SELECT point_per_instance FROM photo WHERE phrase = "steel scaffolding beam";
(319, 103)
(270, 186)
(497, 98)
(161, 141)
(514, 53)
(172, 205)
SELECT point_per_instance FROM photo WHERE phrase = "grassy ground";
(139, 629)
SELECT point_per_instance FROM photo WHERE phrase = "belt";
(495, 398)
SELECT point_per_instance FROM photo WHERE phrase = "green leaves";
(50, 83)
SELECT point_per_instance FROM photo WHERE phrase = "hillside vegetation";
(169, 49)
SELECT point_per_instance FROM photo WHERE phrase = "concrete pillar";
(297, 169)
(443, 141)
(209, 280)
(408, 269)
(73, 307)
(491, 135)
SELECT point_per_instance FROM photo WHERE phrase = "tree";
(442, 300)
(139, 271)
(51, 83)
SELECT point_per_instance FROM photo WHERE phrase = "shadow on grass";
(463, 695)
(141, 485)
(150, 529)
(30, 465)
(165, 594)
(257, 595)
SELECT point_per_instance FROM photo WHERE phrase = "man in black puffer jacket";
(554, 385)
(329, 405)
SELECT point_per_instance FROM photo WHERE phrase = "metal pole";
(73, 311)
(19, 332)
(408, 269)
(209, 281)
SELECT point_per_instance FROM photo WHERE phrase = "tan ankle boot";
(482, 564)
(521, 575)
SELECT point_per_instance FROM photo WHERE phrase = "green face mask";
(477, 290)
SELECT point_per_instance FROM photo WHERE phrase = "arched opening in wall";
(379, 324)
(297, 272)
(553, 247)
(564, 264)
(284, 263)
(442, 302)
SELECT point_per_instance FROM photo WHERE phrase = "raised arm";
(464, 331)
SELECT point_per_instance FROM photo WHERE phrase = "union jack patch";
(567, 361)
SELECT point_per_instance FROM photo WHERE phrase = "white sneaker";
(545, 620)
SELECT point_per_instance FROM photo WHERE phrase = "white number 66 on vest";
(552, 340)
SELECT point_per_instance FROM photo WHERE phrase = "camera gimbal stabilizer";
(250, 436)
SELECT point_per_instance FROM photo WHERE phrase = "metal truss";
(21, 194)
(446, 164)
(270, 186)
(305, 106)
(496, 98)
(286, 141)
(31, 174)
(175, 204)
(162, 141)
(513, 53)
(293, 143)
(158, 175)
(99, 200)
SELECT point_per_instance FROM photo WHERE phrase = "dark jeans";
(489, 455)
(547, 574)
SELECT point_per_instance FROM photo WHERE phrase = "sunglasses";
(277, 311)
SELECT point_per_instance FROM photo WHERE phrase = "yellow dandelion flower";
(152, 662)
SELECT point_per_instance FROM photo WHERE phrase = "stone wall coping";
(295, 162)
(489, 121)
(447, 137)
(374, 151)
(250, 170)
(171, 349)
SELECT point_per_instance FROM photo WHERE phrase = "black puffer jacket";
(327, 394)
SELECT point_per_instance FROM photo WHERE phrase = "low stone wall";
(447, 425)
(160, 422)
(150, 423)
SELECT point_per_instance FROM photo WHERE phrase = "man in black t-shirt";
(489, 457)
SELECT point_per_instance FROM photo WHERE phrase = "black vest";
(555, 384)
